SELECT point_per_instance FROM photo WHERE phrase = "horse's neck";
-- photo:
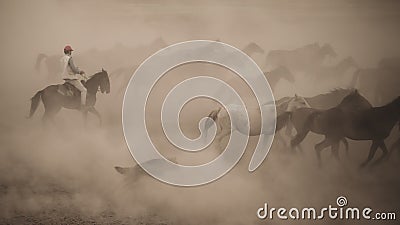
(336, 95)
(326, 100)
(390, 115)
(92, 85)
(393, 110)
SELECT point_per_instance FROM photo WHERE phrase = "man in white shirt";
(73, 74)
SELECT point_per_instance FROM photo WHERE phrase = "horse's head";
(104, 81)
(297, 102)
(356, 101)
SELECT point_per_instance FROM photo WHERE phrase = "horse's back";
(300, 116)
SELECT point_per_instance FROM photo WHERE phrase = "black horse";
(54, 97)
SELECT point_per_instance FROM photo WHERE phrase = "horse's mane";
(278, 102)
(336, 91)
(394, 102)
(97, 74)
(328, 99)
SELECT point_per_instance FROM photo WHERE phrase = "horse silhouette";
(374, 123)
(297, 119)
(328, 122)
(380, 83)
(303, 59)
(335, 72)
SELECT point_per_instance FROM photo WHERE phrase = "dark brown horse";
(331, 122)
(299, 116)
(370, 124)
(54, 98)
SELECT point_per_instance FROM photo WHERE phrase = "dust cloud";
(63, 173)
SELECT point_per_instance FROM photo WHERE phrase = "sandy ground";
(49, 178)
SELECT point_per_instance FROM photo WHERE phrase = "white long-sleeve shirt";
(70, 71)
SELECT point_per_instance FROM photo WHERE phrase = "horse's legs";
(396, 145)
(48, 116)
(289, 129)
(299, 137)
(96, 113)
(346, 145)
(384, 154)
(319, 147)
(372, 150)
(51, 107)
(335, 150)
(280, 138)
(49, 112)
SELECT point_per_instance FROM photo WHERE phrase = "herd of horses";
(353, 117)
(338, 115)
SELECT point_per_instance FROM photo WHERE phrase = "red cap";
(68, 48)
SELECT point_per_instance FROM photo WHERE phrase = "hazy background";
(64, 174)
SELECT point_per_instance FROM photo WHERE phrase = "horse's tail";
(282, 120)
(301, 134)
(213, 115)
(39, 59)
(35, 102)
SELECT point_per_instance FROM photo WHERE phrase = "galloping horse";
(297, 117)
(238, 113)
(54, 97)
(354, 122)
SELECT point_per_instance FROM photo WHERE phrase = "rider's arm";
(73, 67)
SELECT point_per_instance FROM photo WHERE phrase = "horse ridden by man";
(78, 92)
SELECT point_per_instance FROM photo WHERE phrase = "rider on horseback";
(73, 75)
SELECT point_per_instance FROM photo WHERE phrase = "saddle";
(68, 90)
